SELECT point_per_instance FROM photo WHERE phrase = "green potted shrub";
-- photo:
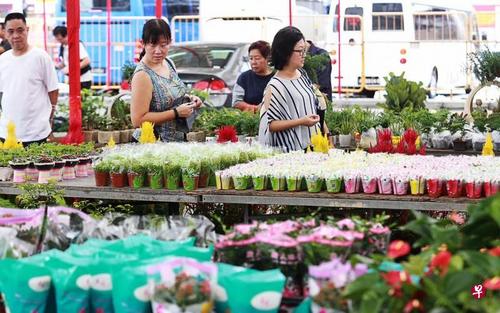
(456, 125)
(346, 128)
(172, 174)
(118, 173)
(402, 93)
(120, 114)
(92, 110)
(136, 174)
(155, 174)
(107, 130)
(191, 174)
(102, 171)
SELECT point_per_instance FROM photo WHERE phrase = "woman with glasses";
(290, 110)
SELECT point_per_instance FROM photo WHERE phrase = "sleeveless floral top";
(165, 91)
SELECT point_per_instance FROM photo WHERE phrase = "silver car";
(211, 67)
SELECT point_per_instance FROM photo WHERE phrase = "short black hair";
(263, 47)
(60, 30)
(15, 16)
(283, 44)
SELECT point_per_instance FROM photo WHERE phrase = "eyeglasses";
(302, 52)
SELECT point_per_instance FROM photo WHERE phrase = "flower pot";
(196, 136)
(135, 180)
(125, 136)
(400, 186)
(352, 184)
(203, 181)
(434, 187)
(31, 172)
(241, 182)
(44, 176)
(6, 173)
(438, 143)
(57, 171)
(101, 178)
(118, 180)
(172, 181)
(19, 176)
(155, 181)
(293, 183)
(491, 188)
(454, 188)
(103, 137)
(314, 184)
(90, 135)
(369, 184)
(69, 172)
(226, 182)
(473, 190)
(218, 180)
(333, 185)
(259, 182)
(345, 140)
(249, 140)
(496, 146)
(81, 170)
(384, 185)
(278, 183)
(210, 139)
(459, 145)
(190, 182)
(478, 146)
(417, 186)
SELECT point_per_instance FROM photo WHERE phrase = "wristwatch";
(176, 113)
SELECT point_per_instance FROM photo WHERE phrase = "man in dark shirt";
(4, 45)
(249, 88)
(324, 75)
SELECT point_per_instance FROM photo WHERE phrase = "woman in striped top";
(289, 114)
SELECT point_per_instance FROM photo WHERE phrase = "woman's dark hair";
(283, 44)
(153, 31)
(263, 47)
(60, 30)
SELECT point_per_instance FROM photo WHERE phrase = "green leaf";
(457, 282)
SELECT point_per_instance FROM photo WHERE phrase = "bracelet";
(176, 113)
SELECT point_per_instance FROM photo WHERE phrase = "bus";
(127, 20)
(427, 40)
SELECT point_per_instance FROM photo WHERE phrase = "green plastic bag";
(224, 271)
(25, 286)
(262, 291)
(130, 283)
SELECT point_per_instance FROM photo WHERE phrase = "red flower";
(441, 261)
(396, 280)
(398, 248)
(494, 251)
(456, 218)
(227, 133)
(492, 284)
(413, 304)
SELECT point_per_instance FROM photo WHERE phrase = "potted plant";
(155, 174)
(69, 171)
(128, 70)
(57, 170)
(19, 166)
(136, 174)
(5, 170)
(191, 174)
(107, 131)
(118, 174)
(120, 114)
(456, 125)
(346, 128)
(172, 174)
(92, 109)
(102, 171)
(44, 165)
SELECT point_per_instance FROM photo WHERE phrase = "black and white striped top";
(290, 99)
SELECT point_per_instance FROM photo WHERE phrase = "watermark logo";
(478, 291)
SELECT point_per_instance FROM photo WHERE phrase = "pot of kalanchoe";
(19, 165)
(278, 182)
(172, 174)
(82, 166)
(241, 181)
(327, 281)
(44, 165)
(102, 173)
(5, 170)
(259, 181)
(155, 175)
(293, 181)
(31, 171)
(191, 175)
(136, 174)
(226, 180)
(204, 172)
(57, 170)
(314, 183)
(118, 174)
(186, 286)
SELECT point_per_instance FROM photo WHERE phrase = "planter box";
(196, 136)
(90, 135)
(125, 136)
(104, 136)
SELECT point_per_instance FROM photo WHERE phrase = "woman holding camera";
(158, 94)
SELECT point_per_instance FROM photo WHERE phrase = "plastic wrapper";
(442, 140)
(185, 286)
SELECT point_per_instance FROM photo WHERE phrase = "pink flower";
(346, 222)
(378, 229)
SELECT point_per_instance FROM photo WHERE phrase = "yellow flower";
(207, 307)
(488, 146)
(11, 141)
(320, 143)
(111, 142)
(147, 133)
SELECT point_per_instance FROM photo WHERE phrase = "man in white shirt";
(61, 35)
(28, 82)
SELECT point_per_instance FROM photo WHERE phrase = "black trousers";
(28, 143)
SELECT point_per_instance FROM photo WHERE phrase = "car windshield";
(201, 56)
